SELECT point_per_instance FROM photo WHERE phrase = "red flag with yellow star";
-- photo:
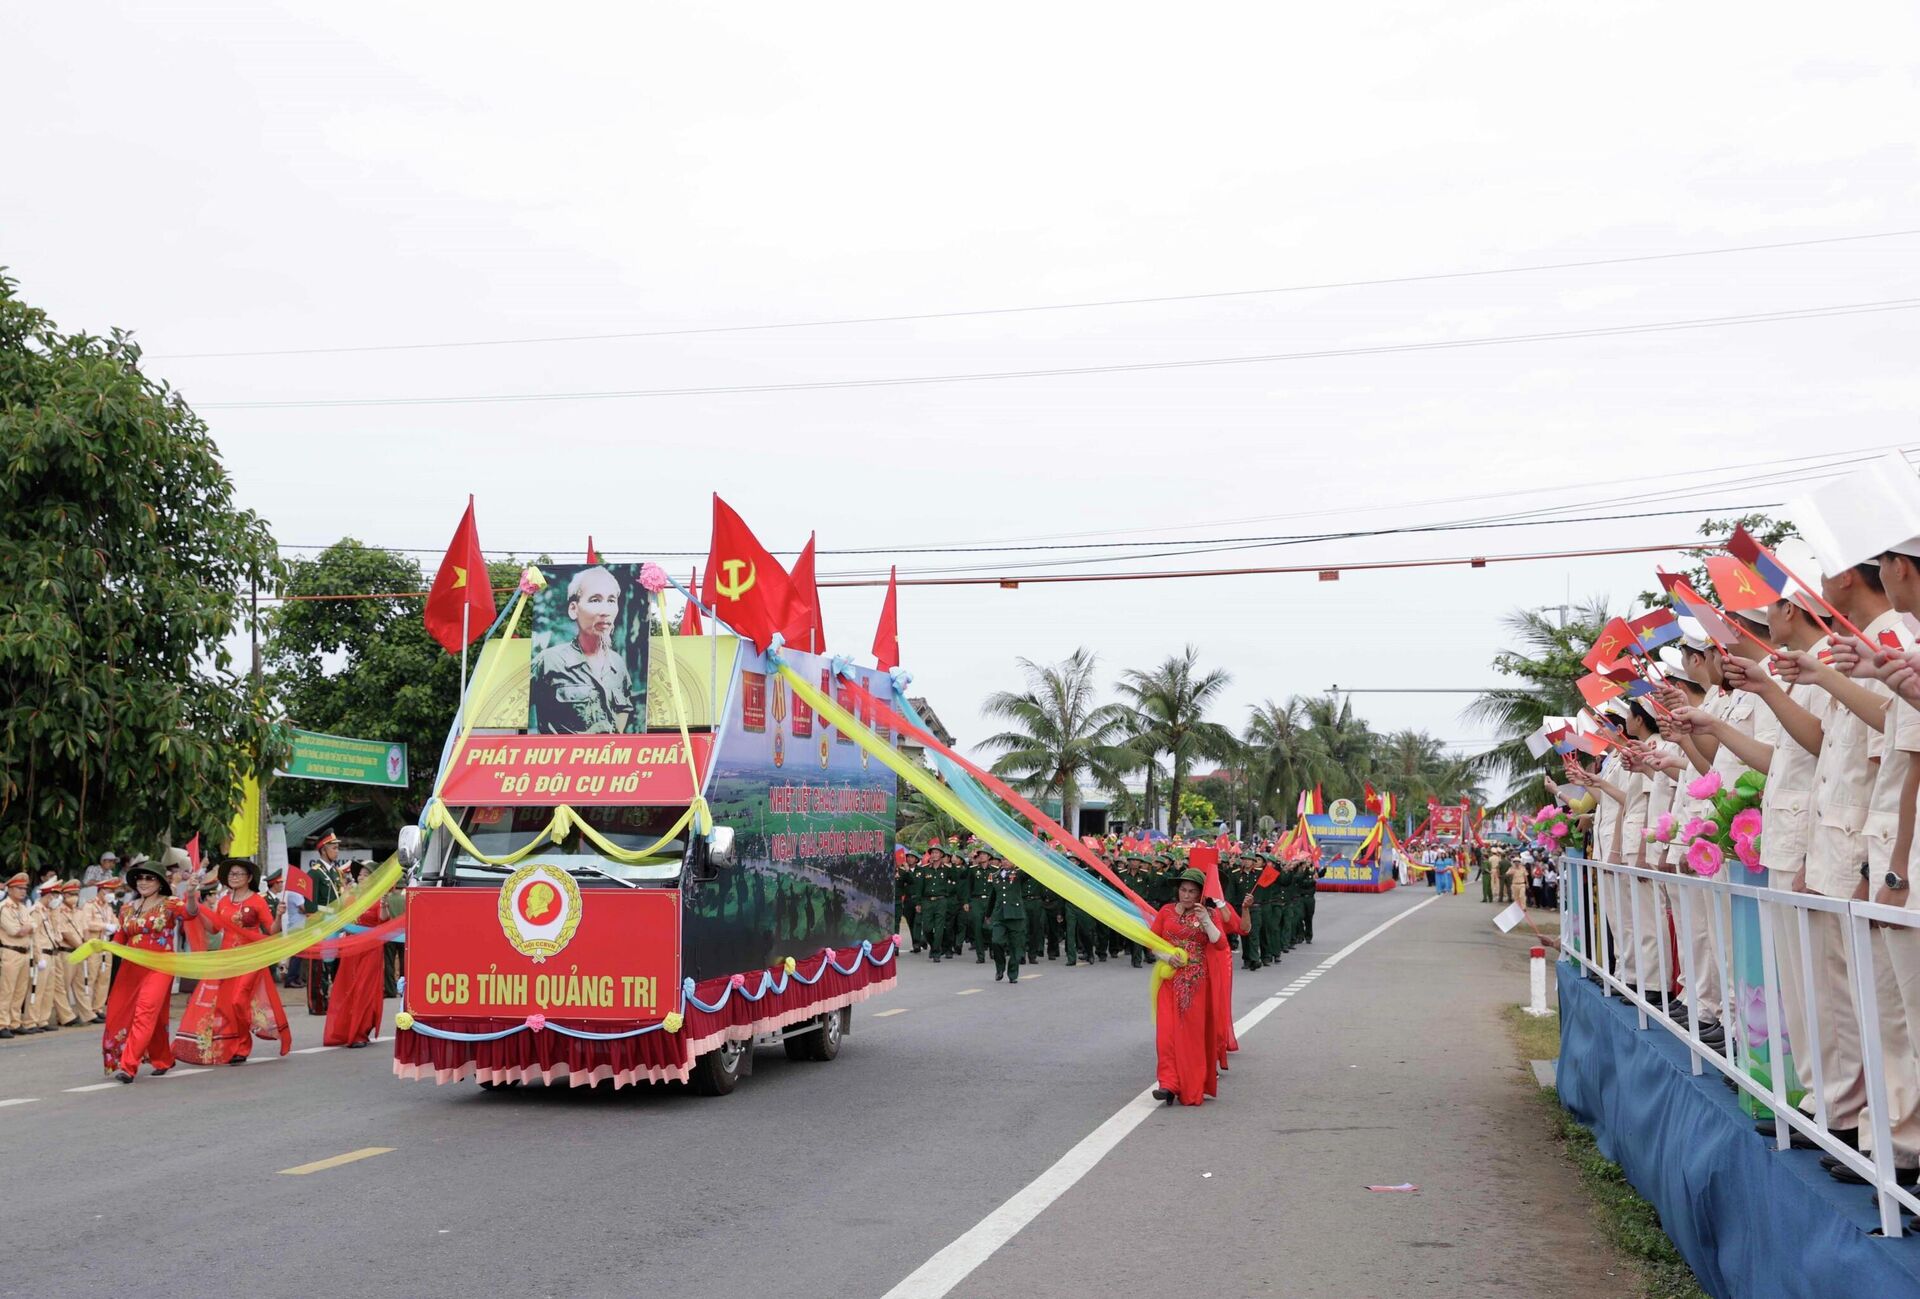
(460, 605)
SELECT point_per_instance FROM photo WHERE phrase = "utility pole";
(259, 753)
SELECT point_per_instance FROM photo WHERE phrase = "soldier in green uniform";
(1478, 857)
(978, 903)
(1033, 895)
(935, 899)
(1309, 897)
(327, 888)
(904, 881)
(1135, 878)
(1250, 911)
(1007, 922)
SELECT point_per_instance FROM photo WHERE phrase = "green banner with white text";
(346, 760)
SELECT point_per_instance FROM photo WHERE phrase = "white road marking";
(19, 1100)
(952, 1265)
(1033, 976)
(966, 992)
(95, 1087)
(180, 1072)
(897, 1010)
(313, 1050)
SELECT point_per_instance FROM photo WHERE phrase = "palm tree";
(1409, 764)
(1291, 758)
(1058, 738)
(1347, 742)
(919, 820)
(1140, 740)
(1547, 664)
(1172, 701)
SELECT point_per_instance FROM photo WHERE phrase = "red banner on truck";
(547, 770)
(540, 945)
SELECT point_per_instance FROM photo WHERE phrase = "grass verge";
(1627, 1221)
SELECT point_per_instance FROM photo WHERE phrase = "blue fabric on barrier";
(1751, 1221)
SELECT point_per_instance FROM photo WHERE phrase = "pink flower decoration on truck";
(1705, 857)
(1705, 787)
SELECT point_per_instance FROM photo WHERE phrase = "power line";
(1129, 367)
(1016, 580)
(1010, 311)
(1836, 460)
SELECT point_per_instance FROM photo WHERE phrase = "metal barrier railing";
(1602, 906)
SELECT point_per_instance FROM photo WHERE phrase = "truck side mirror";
(720, 849)
(411, 843)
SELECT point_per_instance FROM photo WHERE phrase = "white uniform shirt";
(1843, 782)
(1786, 808)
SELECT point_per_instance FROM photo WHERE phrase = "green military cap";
(1192, 876)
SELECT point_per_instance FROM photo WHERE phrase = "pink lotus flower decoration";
(1544, 812)
(1705, 857)
(1705, 787)
(536, 1021)
(739, 980)
(1561, 830)
(1744, 849)
(1746, 822)
(654, 578)
(531, 579)
(1753, 1013)
(1694, 828)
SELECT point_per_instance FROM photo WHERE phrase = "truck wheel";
(823, 1043)
(718, 1072)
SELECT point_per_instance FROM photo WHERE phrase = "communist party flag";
(746, 587)
(1615, 642)
(802, 628)
(1738, 585)
(1596, 689)
(886, 637)
(460, 605)
(299, 882)
(690, 620)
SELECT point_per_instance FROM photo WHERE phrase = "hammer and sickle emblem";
(1746, 582)
(730, 585)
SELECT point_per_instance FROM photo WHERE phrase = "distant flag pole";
(690, 620)
(462, 579)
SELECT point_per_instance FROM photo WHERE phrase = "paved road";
(952, 1095)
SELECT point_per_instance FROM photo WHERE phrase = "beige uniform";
(1786, 809)
(16, 958)
(50, 1003)
(73, 917)
(1842, 792)
(1896, 949)
(100, 922)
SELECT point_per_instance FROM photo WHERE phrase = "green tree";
(1172, 702)
(1197, 812)
(365, 667)
(122, 722)
(918, 820)
(1545, 665)
(1291, 755)
(1766, 529)
(1058, 739)
(1347, 744)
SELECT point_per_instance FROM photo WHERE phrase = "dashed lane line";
(897, 1010)
(95, 1087)
(19, 1100)
(937, 1276)
(968, 992)
(321, 1165)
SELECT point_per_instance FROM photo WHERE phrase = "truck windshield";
(500, 831)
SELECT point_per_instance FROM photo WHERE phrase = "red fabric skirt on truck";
(542, 1055)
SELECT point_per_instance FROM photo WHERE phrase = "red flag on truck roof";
(746, 587)
(690, 620)
(460, 604)
(802, 627)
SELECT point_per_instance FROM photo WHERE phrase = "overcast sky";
(247, 177)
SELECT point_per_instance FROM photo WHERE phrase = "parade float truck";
(708, 872)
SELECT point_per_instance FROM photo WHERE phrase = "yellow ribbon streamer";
(702, 818)
(232, 962)
(565, 821)
(1122, 919)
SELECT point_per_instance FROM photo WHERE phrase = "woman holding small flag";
(1188, 1065)
(218, 1025)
